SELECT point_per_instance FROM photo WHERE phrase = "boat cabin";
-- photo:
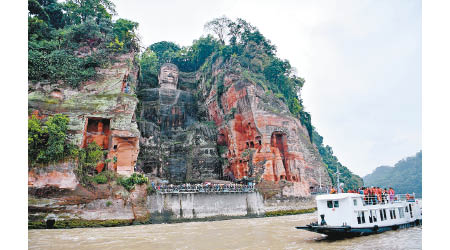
(349, 209)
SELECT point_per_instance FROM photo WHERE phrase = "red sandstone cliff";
(262, 139)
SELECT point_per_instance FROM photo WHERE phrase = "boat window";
(410, 211)
(330, 204)
(390, 214)
(406, 209)
(374, 216)
(370, 217)
(384, 214)
(361, 219)
(381, 215)
(393, 212)
(401, 213)
(355, 202)
(336, 203)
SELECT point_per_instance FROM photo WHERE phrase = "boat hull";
(347, 231)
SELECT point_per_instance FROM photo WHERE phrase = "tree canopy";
(239, 41)
(68, 40)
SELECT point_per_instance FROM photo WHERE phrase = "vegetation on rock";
(128, 183)
(243, 46)
(289, 212)
(77, 223)
(246, 48)
(47, 141)
(68, 40)
(404, 177)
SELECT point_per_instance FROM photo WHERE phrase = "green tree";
(220, 27)
(59, 33)
(165, 50)
(47, 141)
(78, 11)
(125, 31)
(149, 69)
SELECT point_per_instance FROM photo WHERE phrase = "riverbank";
(156, 219)
(57, 200)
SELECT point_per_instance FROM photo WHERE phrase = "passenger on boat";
(379, 195)
(391, 194)
(372, 195)
(407, 197)
(384, 196)
(333, 191)
(366, 195)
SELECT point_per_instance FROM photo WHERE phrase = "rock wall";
(55, 175)
(99, 111)
(54, 192)
(262, 140)
(289, 203)
(200, 205)
(175, 144)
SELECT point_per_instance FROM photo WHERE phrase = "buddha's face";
(168, 76)
(100, 127)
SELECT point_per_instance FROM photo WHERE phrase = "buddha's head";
(100, 127)
(168, 76)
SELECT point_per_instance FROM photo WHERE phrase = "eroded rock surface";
(100, 111)
(174, 143)
(261, 139)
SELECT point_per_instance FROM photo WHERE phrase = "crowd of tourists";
(375, 195)
(203, 188)
(372, 195)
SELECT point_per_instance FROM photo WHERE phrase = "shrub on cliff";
(88, 158)
(128, 183)
(47, 141)
(68, 40)
(100, 179)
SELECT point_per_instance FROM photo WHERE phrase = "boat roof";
(337, 196)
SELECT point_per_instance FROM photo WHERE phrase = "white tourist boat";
(347, 214)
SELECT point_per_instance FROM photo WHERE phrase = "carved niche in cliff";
(97, 130)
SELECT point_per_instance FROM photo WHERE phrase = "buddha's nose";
(170, 74)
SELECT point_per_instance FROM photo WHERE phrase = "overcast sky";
(361, 61)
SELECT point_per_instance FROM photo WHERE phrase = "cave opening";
(279, 140)
(98, 131)
(258, 138)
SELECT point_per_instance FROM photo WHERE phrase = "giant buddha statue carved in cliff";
(173, 141)
(168, 76)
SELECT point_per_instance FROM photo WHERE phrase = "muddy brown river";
(255, 233)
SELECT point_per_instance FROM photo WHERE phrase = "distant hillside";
(350, 180)
(405, 177)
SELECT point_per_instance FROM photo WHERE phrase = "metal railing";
(204, 188)
(387, 199)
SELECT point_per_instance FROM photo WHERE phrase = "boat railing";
(369, 200)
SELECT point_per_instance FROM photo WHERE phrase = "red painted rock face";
(97, 130)
(263, 139)
(125, 150)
